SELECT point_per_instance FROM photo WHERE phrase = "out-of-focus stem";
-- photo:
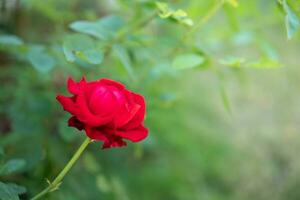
(58, 180)
(133, 27)
(198, 25)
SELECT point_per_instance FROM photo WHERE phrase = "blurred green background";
(221, 82)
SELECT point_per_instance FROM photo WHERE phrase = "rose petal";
(119, 95)
(140, 115)
(67, 103)
(74, 87)
(106, 81)
(102, 102)
(134, 135)
(116, 143)
(95, 134)
(109, 140)
(125, 114)
(86, 116)
(74, 122)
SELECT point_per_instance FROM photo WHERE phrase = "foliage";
(220, 80)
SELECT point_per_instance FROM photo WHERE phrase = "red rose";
(106, 110)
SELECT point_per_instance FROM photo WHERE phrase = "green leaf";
(233, 3)
(264, 63)
(179, 15)
(225, 99)
(10, 40)
(231, 61)
(164, 11)
(243, 38)
(187, 61)
(160, 70)
(292, 21)
(82, 47)
(1, 152)
(168, 99)
(187, 21)
(7, 192)
(182, 17)
(12, 166)
(103, 184)
(138, 151)
(40, 59)
(65, 132)
(122, 54)
(104, 28)
(161, 6)
(16, 188)
(165, 14)
(90, 163)
(118, 188)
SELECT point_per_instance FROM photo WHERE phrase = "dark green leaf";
(187, 61)
(1, 152)
(90, 163)
(291, 20)
(12, 166)
(103, 184)
(232, 61)
(104, 28)
(82, 47)
(40, 59)
(265, 63)
(179, 15)
(7, 192)
(164, 11)
(10, 40)
(68, 134)
(122, 54)
(16, 188)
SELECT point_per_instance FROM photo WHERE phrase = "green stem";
(212, 11)
(134, 26)
(208, 15)
(58, 180)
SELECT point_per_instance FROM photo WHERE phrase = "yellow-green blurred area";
(221, 80)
